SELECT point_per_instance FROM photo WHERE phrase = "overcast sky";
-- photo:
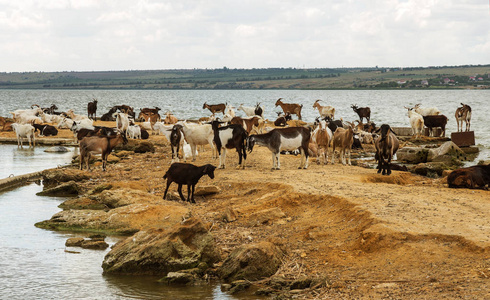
(91, 35)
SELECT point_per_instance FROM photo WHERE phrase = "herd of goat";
(231, 132)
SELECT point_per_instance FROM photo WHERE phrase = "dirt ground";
(365, 235)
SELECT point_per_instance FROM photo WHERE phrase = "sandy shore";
(369, 236)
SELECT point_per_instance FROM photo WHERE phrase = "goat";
(321, 137)
(282, 120)
(92, 110)
(463, 113)
(362, 112)
(125, 109)
(343, 139)
(122, 121)
(149, 117)
(134, 131)
(45, 130)
(435, 122)
(24, 131)
(108, 116)
(386, 146)
(160, 127)
(170, 118)
(471, 177)
(147, 110)
(334, 124)
(77, 126)
(249, 111)
(199, 135)
(291, 108)
(325, 111)
(214, 108)
(426, 111)
(416, 121)
(99, 145)
(247, 123)
(229, 137)
(287, 139)
(259, 110)
(189, 175)
(71, 114)
(176, 139)
(50, 110)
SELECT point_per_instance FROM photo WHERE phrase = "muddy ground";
(366, 235)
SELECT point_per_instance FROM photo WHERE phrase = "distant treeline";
(226, 78)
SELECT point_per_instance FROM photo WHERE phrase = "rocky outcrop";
(122, 220)
(251, 262)
(64, 189)
(158, 252)
(54, 177)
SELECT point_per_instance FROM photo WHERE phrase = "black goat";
(45, 130)
(176, 136)
(189, 175)
(50, 110)
(432, 122)
(229, 137)
(258, 110)
(282, 119)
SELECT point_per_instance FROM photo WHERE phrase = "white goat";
(416, 121)
(122, 121)
(24, 131)
(65, 123)
(134, 132)
(249, 111)
(160, 127)
(325, 111)
(199, 135)
(426, 111)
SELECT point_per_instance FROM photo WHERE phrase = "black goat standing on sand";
(189, 175)
(386, 146)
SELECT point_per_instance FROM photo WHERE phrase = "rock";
(433, 169)
(74, 242)
(207, 190)
(413, 155)
(94, 244)
(82, 203)
(122, 220)
(57, 149)
(178, 278)
(447, 150)
(121, 197)
(251, 262)
(54, 177)
(266, 216)
(97, 237)
(65, 189)
(157, 252)
(238, 286)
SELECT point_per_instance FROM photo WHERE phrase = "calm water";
(33, 261)
(386, 105)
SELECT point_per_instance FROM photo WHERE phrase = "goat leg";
(179, 189)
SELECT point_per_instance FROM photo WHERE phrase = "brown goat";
(362, 112)
(214, 108)
(463, 114)
(291, 108)
(170, 118)
(343, 139)
(99, 145)
(386, 146)
(322, 140)
(247, 123)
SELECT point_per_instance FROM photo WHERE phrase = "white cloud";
(59, 35)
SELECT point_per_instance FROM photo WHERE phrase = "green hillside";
(270, 78)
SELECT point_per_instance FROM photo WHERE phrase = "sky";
(103, 35)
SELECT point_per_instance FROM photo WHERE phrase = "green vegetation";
(271, 78)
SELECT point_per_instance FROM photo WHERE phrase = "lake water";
(34, 264)
(386, 105)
